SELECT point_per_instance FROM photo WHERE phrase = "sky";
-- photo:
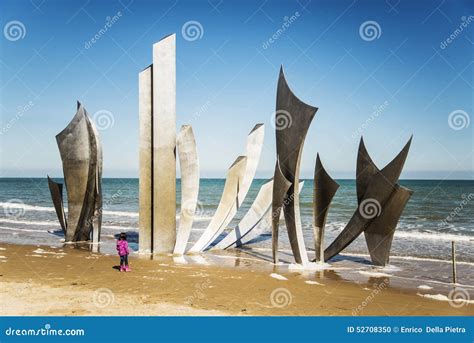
(382, 69)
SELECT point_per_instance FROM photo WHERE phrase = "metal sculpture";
(292, 120)
(278, 196)
(324, 189)
(376, 191)
(260, 206)
(145, 180)
(258, 214)
(157, 186)
(56, 190)
(157, 112)
(253, 151)
(96, 195)
(189, 166)
(229, 200)
(379, 234)
(262, 228)
(81, 154)
(157, 213)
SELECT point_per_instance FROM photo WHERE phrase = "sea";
(438, 213)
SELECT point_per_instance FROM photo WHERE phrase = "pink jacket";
(122, 247)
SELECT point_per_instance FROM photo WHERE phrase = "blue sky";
(406, 79)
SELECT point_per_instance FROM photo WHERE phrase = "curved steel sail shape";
(292, 120)
(95, 174)
(73, 144)
(253, 150)
(263, 227)
(81, 155)
(379, 233)
(56, 190)
(260, 206)
(247, 231)
(189, 166)
(228, 202)
(281, 185)
(366, 169)
(324, 189)
(377, 193)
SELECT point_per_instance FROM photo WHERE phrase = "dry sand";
(65, 281)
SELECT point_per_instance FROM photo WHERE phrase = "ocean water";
(438, 212)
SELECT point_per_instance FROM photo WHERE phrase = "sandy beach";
(43, 280)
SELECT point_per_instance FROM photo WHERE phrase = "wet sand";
(43, 280)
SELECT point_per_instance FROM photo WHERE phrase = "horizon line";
(223, 178)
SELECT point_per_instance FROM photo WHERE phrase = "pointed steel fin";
(292, 120)
(56, 190)
(324, 190)
(378, 191)
(379, 234)
(366, 169)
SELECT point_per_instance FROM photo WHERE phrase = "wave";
(56, 224)
(414, 258)
(409, 258)
(119, 227)
(411, 232)
(437, 236)
(122, 214)
(407, 232)
(26, 222)
(27, 207)
(21, 230)
(50, 231)
(11, 205)
(49, 223)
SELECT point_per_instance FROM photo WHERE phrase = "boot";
(127, 268)
(122, 268)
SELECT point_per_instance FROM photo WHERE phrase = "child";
(122, 248)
